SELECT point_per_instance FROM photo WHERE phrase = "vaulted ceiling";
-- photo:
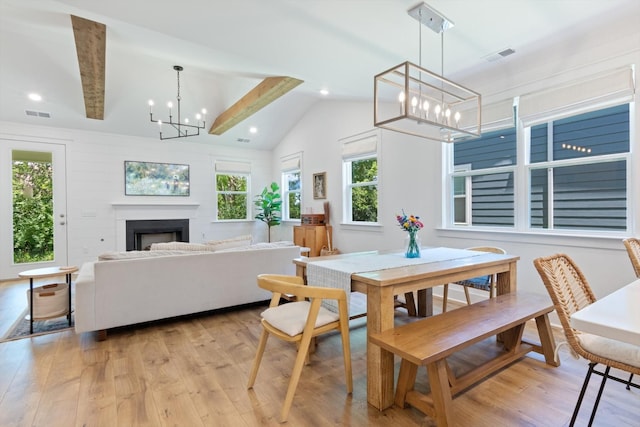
(228, 49)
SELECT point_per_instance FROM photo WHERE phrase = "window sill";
(559, 238)
(369, 226)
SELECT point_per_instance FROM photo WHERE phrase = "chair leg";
(595, 405)
(301, 357)
(466, 295)
(256, 362)
(445, 296)
(629, 382)
(346, 353)
(584, 389)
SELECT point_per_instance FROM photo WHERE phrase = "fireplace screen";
(155, 179)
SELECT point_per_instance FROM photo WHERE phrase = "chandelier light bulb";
(198, 116)
(170, 104)
(160, 123)
(186, 120)
(204, 111)
(438, 109)
(414, 103)
(457, 117)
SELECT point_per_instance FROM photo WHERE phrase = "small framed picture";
(320, 185)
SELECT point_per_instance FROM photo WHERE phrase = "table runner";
(336, 273)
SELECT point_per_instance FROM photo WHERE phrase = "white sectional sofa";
(165, 284)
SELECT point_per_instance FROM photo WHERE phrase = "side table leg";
(69, 284)
(31, 305)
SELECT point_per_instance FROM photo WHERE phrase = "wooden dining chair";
(570, 292)
(633, 250)
(484, 283)
(299, 322)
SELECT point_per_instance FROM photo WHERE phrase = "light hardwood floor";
(193, 372)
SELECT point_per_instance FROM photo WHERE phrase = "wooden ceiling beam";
(91, 40)
(263, 94)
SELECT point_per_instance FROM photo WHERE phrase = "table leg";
(31, 305)
(380, 368)
(425, 302)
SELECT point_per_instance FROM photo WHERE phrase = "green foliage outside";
(269, 204)
(294, 205)
(292, 183)
(232, 196)
(364, 198)
(32, 212)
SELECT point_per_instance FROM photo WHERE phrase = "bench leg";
(406, 381)
(440, 392)
(546, 340)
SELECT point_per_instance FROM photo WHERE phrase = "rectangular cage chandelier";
(415, 101)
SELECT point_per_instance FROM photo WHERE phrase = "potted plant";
(269, 204)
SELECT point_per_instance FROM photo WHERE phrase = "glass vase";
(412, 242)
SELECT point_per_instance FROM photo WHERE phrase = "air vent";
(506, 52)
(245, 140)
(499, 55)
(42, 114)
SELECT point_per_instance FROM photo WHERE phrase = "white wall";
(97, 206)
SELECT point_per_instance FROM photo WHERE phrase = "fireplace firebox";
(140, 234)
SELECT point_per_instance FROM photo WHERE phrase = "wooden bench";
(428, 342)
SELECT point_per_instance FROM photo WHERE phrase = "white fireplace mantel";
(142, 210)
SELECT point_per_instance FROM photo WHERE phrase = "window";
(567, 168)
(483, 180)
(360, 178)
(291, 186)
(578, 171)
(232, 191)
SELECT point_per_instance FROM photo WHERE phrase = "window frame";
(284, 185)
(522, 182)
(348, 186)
(242, 169)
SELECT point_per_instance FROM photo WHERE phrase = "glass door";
(33, 190)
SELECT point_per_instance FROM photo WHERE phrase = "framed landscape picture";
(155, 179)
(320, 185)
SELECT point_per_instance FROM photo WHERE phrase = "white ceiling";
(228, 46)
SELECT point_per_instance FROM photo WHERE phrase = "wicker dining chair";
(633, 250)
(570, 292)
(299, 322)
(484, 283)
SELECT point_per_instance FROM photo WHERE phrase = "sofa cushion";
(257, 246)
(110, 256)
(235, 242)
(181, 246)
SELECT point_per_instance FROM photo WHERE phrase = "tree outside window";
(232, 196)
(362, 189)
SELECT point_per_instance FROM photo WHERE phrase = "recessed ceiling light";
(324, 92)
(35, 97)
(253, 129)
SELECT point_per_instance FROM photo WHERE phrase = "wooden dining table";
(381, 286)
(615, 316)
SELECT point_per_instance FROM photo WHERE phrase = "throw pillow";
(181, 246)
(235, 242)
(110, 256)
